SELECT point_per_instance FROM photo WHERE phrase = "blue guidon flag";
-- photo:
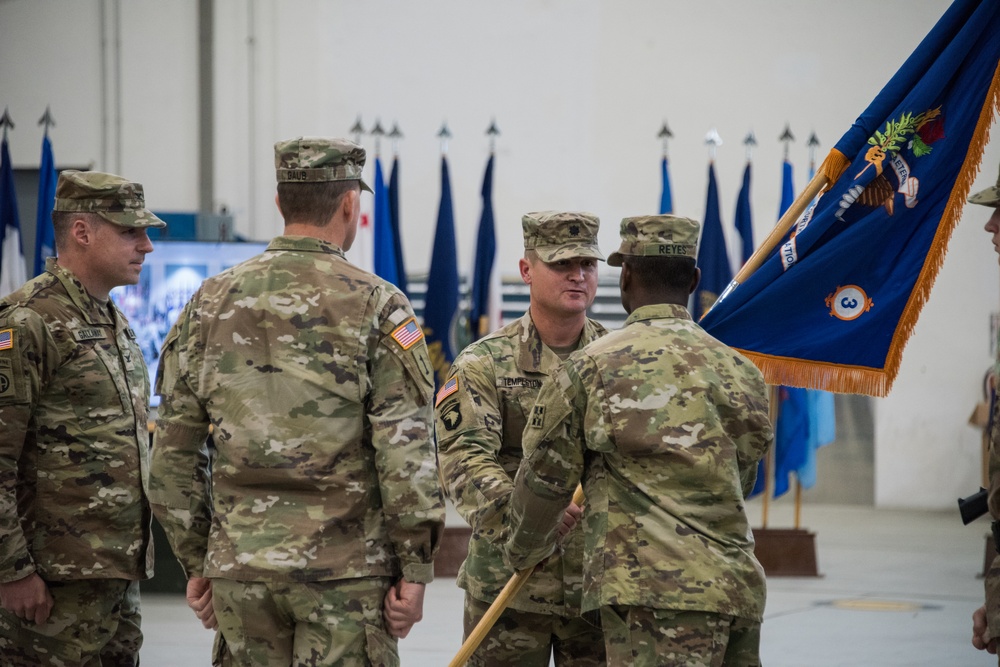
(836, 297)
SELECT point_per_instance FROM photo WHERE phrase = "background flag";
(394, 219)
(713, 259)
(666, 200)
(45, 236)
(441, 302)
(744, 216)
(384, 256)
(482, 305)
(12, 273)
(833, 305)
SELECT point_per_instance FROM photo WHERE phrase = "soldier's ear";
(695, 280)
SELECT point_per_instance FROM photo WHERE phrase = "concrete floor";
(896, 588)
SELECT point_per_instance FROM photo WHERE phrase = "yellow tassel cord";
(833, 167)
(876, 381)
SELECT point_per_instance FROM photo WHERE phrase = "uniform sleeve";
(179, 472)
(469, 438)
(25, 367)
(400, 414)
(552, 467)
(753, 433)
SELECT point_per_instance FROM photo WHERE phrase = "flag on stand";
(483, 306)
(713, 259)
(744, 217)
(45, 235)
(441, 301)
(666, 200)
(832, 306)
(394, 219)
(384, 255)
(12, 273)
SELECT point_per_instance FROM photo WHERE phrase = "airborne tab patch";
(408, 333)
(449, 388)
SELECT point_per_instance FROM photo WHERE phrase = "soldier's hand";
(28, 598)
(199, 598)
(570, 518)
(403, 606)
(981, 632)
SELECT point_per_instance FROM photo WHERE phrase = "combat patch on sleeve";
(451, 416)
(407, 334)
(7, 339)
(11, 382)
(449, 388)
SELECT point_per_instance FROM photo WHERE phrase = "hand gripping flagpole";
(509, 592)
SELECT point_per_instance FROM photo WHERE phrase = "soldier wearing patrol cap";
(481, 412)
(311, 536)
(74, 445)
(664, 426)
(986, 619)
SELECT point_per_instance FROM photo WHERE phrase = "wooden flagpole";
(509, 592)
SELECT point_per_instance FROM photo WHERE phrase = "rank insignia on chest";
(6, 339)
(408, 333)
(537, 416)
(449, 388)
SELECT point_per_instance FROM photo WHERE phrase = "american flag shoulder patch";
(6, 339)
(407, 334)
(449, 388)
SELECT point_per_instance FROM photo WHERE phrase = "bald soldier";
(986, 620)
(481, 412)
(664, 425)
(74, 445)
(318, 512)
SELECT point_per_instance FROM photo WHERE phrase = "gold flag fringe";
(878, 381)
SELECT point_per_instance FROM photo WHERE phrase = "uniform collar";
(304, 244)
(533, 355)
(658, 311)
(94, 311)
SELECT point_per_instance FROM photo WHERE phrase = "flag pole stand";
(783, 552)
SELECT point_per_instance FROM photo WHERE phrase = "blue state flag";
(833, 304)
(45, 236)
(384, 255)
(713, 259)
(486, 250)
(397, 239)
(666, 200)
(441, 303)
(12, 273)
(743, 219)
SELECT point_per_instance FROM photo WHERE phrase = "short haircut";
(673, 273)
(62, 221)
(312, 203)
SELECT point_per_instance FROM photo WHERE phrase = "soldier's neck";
(558, 330)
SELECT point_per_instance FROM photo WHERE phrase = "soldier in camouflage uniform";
(317, 516)
(665, 426)
(986, 620)
(481, 413)
(74, 443)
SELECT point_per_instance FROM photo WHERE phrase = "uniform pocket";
(382, 649)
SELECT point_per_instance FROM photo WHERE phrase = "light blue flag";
(666, 199)
(385, 247)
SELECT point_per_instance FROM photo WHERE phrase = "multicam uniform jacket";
(314, 375)
(992, 579)
(74, 444)
(666, 426)
(481, 414)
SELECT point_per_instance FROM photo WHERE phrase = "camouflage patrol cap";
(657, 236)
(115, 199)
(555, 235)
(318, 159)
(987, 197)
